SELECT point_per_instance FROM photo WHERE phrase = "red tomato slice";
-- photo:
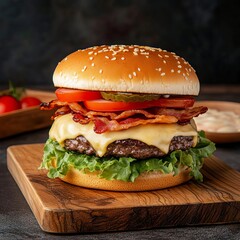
(110, 106)
(75, 95)
(8, 104)
(30, 102)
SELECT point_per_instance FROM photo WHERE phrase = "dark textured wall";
(36, 34)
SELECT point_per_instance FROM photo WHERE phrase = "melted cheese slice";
(159, 135)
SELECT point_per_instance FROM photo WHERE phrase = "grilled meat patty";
(128, 147)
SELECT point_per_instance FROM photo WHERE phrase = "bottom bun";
(146, 181)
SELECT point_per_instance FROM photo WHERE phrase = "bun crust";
(145, 182)
(127, 69)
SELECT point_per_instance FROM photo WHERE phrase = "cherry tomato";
(8, 104)
(111, 106)
(29, 102)
(75, 95)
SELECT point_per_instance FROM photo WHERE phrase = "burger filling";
(122, 139)
(129, 147)
(58, 160)
(161, 137)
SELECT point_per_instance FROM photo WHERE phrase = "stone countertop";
(18, 222)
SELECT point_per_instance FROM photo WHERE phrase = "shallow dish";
(28, 119)
(221, 137)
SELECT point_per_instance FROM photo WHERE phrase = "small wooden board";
(63, 208)
(28, 119)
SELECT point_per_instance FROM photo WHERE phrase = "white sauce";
(218, 121)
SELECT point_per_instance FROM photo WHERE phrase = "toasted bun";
(145, 182)
(127, 69)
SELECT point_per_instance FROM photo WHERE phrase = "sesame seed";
(159, 69)
(93, 77)
(84, 68)
(135, 53)
(185, 62)
(139, 69)
(136, 50)
(134, 74)
(114, 58)
(172, 70)
(190, 69)
(130, 76)
(121, 47)
(178, 62)
(160, 55)
(90, 53)
(162, 74)
(65, 59)
(100, 71)
(167, 56)
(179, 71)
(147, 56)
(164, 61)
(91, 58)
(75, 75)
(107, 57)
(92, 64)
(179, 66)
(95, 53)
(123, 58)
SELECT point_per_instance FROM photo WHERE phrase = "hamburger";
(124, 120)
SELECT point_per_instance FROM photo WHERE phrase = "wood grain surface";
(63, 208)
(28, 119)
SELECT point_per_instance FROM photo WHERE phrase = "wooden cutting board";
(63, 208)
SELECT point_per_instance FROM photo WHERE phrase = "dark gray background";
(36, 34)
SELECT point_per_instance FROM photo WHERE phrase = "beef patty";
(128, 147)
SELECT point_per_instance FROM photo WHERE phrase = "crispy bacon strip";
(75, 107)
(182, 114)
(104, 125)
(112, 121)
(52, 104)
(61, 111)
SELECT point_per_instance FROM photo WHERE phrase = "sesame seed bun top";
(125, 68)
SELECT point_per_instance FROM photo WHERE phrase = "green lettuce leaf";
(125, 168)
